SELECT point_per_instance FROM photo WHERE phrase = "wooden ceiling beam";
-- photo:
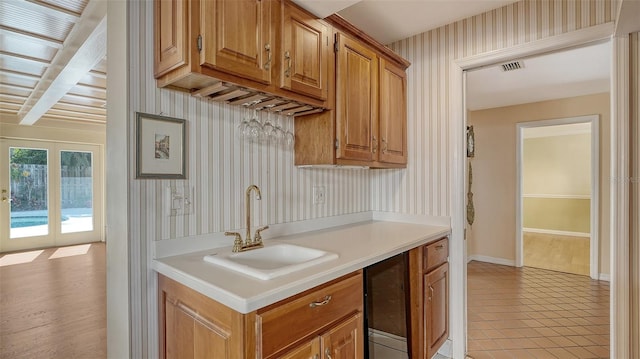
(84, 48)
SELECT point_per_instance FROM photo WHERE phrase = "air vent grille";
(511, 66)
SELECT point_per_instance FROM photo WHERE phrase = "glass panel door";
(25, 211)
(28, 188)
(76, 191)
(51, 194)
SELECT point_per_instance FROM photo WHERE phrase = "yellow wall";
(557, 214)
(557, 182)
(557, 165)
(494, 171)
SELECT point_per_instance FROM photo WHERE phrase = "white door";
(51, 194)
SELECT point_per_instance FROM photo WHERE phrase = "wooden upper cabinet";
(392, 114)
(236, 37)
(305, 52)
(356, 100)
(170, 35)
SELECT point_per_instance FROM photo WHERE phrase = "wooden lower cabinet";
(429, 298)
(322, 322)
(344, 341)
(436, 311)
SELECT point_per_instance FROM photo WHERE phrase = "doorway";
(509, 135)
(558, 209)
(51, 194)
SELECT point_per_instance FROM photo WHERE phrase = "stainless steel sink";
(271, 261)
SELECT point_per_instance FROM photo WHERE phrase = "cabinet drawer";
(285, 323)
(435, 254)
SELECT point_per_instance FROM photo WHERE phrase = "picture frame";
(471, 142)
(160, 147)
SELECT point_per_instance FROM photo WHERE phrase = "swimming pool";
(30, 221)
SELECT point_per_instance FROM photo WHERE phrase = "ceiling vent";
(511, 66)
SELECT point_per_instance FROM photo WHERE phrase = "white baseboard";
(494, 260)
(557, 233)
(605, 277)
(446, 349)
(412, 218)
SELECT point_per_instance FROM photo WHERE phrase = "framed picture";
(161, 147)
(471, 142)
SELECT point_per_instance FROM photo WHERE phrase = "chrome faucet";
(249, 243)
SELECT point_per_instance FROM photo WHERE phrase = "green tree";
(28, 156)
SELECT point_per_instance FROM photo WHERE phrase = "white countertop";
(358, 245)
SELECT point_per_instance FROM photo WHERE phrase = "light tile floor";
(528, 313)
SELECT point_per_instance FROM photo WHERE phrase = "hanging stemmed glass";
(289, 137)
(277, 134)
(268, 127)
(244, 121)
(254, 126)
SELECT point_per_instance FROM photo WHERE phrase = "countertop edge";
(297, 285)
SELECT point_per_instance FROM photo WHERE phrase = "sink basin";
(271, 261)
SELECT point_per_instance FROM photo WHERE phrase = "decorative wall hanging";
(471, 142)
(471, 211)
(160, 146)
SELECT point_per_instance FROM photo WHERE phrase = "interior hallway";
(527, 313)
(567, 254)
(53, 304)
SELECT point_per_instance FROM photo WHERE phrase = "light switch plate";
(178, 199)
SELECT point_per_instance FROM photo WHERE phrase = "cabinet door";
(308, 350)
(189, 335)
(393, 114)
(436, 287)
(170, 35)
(305, 46)
(356, 100)
(236, 37)
(345, 341)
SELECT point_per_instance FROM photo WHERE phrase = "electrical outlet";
(318, 194)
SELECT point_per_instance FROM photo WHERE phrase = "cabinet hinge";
(335, 43)
(337, 143)
(199, 43)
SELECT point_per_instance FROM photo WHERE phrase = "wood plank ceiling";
(53, 61)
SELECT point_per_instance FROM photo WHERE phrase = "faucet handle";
(258, 235)
(237, 243)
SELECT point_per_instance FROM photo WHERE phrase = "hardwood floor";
(55, 305)
(560, 253)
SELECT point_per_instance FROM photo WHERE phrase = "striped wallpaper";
(220, 166)
(634, 96)
(424, 188)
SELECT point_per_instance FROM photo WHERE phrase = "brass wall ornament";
(471, 212)
(471, 142)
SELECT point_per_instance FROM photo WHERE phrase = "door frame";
(620, 302)
(54, 236)
(593, 121)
